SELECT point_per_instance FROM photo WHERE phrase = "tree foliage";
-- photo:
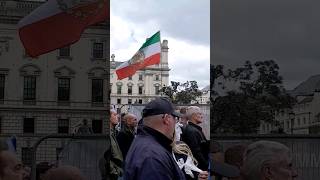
(260, 92)
(182, 93)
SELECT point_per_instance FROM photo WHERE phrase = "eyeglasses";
(173, 117)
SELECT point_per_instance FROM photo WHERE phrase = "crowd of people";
(11, 168)
(167, 144)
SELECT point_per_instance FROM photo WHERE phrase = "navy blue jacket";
(150, 157)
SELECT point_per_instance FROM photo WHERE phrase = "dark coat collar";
(194, 125)
(159, 137)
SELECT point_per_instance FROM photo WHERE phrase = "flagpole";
(161, 94)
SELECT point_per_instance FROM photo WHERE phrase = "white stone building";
(54, 92)
(304, 117)
(143, 86)
(205, 96)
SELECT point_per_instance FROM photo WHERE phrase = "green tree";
(260, 93)
(182, 93)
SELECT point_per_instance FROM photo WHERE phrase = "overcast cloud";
(287, 31)
(184, 23)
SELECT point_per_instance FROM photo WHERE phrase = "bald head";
(10, 167)
(64, 173)
(130, 120)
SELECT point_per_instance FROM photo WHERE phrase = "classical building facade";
(54, 92)
(143, 86)
(304, 117)
(205, 96)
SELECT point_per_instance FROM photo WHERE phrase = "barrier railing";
(81, 151)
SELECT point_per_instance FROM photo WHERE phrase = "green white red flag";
(58, 23)
(149, 54)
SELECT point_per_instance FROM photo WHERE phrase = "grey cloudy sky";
(287, 31)
(184, 23)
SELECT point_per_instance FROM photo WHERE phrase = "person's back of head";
(64, 173)
(260, 157)
(234, 155)
(10, 167)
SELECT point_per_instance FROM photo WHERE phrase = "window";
(64, 52)
(130, 90)
(140, 101)
(157, 90)
(157, 77)
(118, 89)
(118, 101)
(28, 125)
(98, 50)
(292, 125)
(140, 77)
(63, 89)
(29, 88)
(26, 156)
(304, 120)
(129, 101)
(140, 89)
(130, 77)
(97, 126)
(2, 81)
(97, 90)
(298, 122)
(63, 126)
(58, 151)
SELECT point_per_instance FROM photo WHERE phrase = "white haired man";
(195, 138)
(268, 160)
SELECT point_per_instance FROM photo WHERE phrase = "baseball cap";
(159, 105)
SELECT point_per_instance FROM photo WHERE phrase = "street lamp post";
(291, 117)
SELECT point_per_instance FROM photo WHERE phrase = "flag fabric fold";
(58, 23)
(149, 54)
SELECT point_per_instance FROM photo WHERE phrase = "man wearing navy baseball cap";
(150, 154)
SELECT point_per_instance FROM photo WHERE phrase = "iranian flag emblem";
(58, 23)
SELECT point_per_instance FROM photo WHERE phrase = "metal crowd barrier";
(81, 151)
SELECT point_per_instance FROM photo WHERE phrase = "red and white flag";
(148, 54)
(58, 23)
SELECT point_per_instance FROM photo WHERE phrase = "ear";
(267, 172)
(166, 119)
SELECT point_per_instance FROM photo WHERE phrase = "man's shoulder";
(146, 142)
(190, 128)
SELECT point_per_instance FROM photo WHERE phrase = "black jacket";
(125, 138)
(150, 157)
(193, 136)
